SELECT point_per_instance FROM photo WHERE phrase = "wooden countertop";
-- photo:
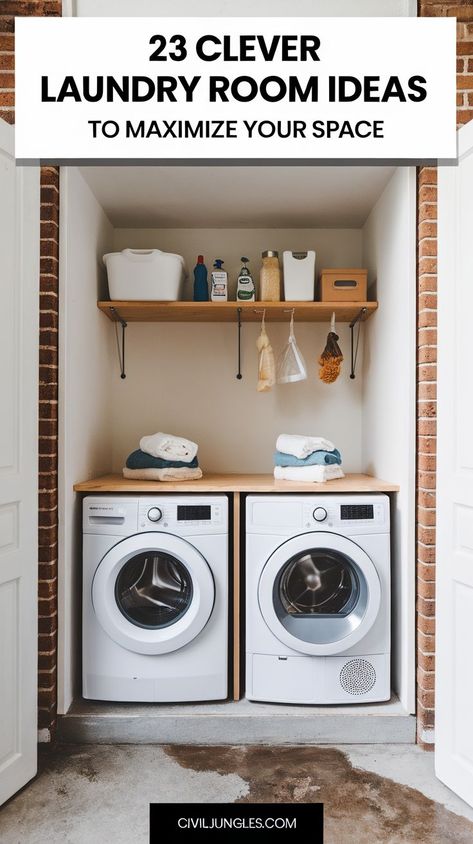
(235, 483)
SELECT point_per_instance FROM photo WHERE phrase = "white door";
(19, 277)
(454, 633)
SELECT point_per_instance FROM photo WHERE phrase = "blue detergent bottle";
(201, 287)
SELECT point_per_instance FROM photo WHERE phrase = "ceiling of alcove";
(237, 197)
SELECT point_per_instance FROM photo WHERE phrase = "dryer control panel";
(370, 515)
(346, 514)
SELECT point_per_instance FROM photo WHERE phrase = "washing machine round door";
(153, 593)
(319, 593)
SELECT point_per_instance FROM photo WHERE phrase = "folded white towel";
(311, 474)
(169, 447)
(301, 446)
(163, 474)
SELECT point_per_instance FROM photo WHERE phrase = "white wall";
(388, 418)
(333, 247)
(86, 363)
(181, 377)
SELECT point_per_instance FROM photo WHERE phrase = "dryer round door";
(153, 593)
(319, 593)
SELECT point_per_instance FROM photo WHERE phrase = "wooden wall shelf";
(228, 311)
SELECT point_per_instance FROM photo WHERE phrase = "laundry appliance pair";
(155, 598)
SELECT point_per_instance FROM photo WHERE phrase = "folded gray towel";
(141, 460)
(317, 458)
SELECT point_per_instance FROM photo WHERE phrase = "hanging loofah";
(266, 365)
(330, 360)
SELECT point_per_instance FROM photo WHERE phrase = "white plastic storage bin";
(145, 274)
(299, 276)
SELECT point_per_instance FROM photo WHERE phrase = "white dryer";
(318, 598)
(155, 598)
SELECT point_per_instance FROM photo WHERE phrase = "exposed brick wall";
(48, 447)
(48, 376)
(427, 374)
(7, 66)
(427, 448)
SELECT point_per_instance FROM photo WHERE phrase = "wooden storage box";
(345, 285)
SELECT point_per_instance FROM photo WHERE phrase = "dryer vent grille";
(357, 677)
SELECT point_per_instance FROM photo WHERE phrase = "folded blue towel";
(317, 458)
(140, 460)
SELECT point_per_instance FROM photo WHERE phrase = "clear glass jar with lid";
(270, 277)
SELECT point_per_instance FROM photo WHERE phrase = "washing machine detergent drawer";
(318, 680)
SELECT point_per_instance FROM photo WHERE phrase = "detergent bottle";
(219, 288)
(246, 291)
(201, 287)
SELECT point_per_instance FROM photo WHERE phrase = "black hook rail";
(118, 320)
(354, 347)
(120, 351)
(239, 375)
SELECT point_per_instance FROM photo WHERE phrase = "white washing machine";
(155, 598)
(317, 598)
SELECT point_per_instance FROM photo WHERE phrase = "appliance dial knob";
(155, 514)
(320, 514)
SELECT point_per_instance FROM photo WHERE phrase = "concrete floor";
(386, 794)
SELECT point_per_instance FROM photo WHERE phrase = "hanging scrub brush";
(266, 366)
(330, 360)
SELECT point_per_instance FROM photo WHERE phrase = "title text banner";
(235, 88)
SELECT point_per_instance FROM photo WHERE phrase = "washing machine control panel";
(183, 515)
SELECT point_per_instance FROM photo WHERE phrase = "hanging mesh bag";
(291, 364)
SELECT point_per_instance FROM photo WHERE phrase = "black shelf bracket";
(120, 348)
(239, 375)
(354, 346)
